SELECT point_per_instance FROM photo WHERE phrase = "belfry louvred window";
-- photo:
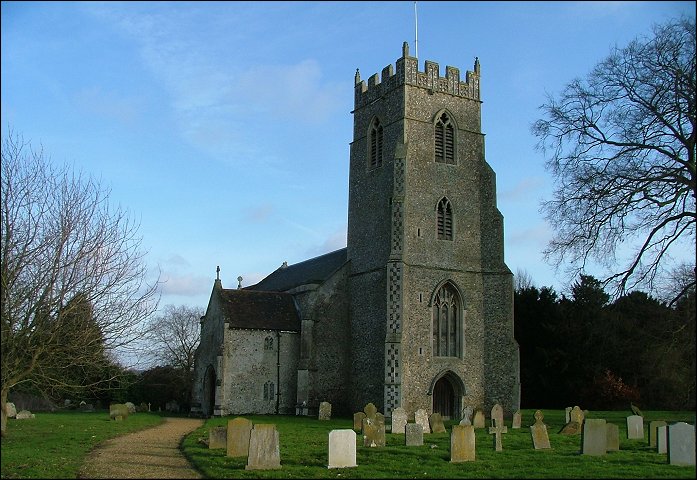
(375, 144)
(445, 220)
(445, 140)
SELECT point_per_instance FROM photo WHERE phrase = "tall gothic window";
(445, 140)
(375, 139)
(447, 323)
(444, 220)
(268, 343)
(269, 391)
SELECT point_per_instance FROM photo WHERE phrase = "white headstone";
(635, 427)
(421, 417)
(662, 439)
(399, 420)
(681, 444)
(342, 448)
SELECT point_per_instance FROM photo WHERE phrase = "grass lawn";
(303, 443)
(54, 445)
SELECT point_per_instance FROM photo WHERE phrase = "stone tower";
(431, 298)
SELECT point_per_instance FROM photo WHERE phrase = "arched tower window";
(444, 221)
(445, 140)
(447, 323)
(375, 144)
(268, 343)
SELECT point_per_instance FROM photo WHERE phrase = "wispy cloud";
(523, 189)
(335, 241)
(259, 213)
(107, 104)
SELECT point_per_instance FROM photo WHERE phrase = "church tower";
(431, 298)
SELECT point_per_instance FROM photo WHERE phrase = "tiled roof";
(259, 310)
(314, 270)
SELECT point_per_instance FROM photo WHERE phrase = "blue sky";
(224, 127)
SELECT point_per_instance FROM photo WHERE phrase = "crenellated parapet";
(407, 72)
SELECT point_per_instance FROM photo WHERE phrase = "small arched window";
(269, 391)
(375, 144)
(268, 343)
(444, 221)
(445, 140)
(447, 323)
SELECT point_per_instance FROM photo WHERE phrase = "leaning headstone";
(517, 420)
(358, 420)
(496, 432)
(421, 417)
(399, 420)
(436, 422)
(653, 431)
(10, 410)
(662, 439)
(238, 432)
(264, 448)
(118, 411)
(540, 437)
(613, 437)
(594, 440)
(217, 437)
(681, 444)
(497, 415)
(575, 423)
(342, 448)
(462, 444)
(131, 407)
(635, 427)
(325, 411)
(478, 421)
(414, 435)
(24, 415)
(567, 414)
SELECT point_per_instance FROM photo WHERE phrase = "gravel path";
(151, 453)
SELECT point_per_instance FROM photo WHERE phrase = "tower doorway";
(209, 382)
(447, 392)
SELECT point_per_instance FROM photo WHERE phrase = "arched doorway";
(447, 391)
(209, 381)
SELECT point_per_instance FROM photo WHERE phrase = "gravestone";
(496, 432)
(575, 423)
(466, 416)
(24, 415)
(594, 439)
(662, 439)
(414, 435)
(358, 420)
(479, 420)
(613, 437)
(10, 410)
(131, 407)
(635, 427)
(421, 417)
(577, 415)
(118, 411)
(264, 448)
(567, 415)
(497, 415)
(238, 432)
(373, 427)
(399, 420)
(681, 444)
(517, 420)
(217, 437)
(540, 437)
(462, 444)
(653, 431)
(436, 422)
(342, 448)
(325, 411)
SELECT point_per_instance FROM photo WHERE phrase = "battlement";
(407, 72)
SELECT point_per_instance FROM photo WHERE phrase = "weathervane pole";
(416, 33)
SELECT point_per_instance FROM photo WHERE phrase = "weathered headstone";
(575, 424)
(217, 437)
(662, 439)
(496, 432)
(373, 432)
(577, 415)
(517, 420)
(479, 420)
(342, 448)
(681, 444)
(436, 423)
(414, 435)
(399, 420)
(594, 439)
(635, 427)
(567, 415)
(264, 448)
(238, 432)
(118, 411)
(466, 416)
(462, 444)
(131, 407)
(540, 437)
(653, 431)
(358, 420)
(24, 415)
(421, 417)
(10, 410)
(613, 437)
(497, 415)
(325, 411)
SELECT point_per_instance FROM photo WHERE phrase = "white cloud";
(523, 190)
(186, 285)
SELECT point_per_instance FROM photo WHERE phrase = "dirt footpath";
(151, 453)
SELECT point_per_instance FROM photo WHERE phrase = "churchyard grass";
(54, 445)
(304, 441)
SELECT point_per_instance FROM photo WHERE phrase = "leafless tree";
(523, 280)
(174, 336)
(74, 281)
(621, 146)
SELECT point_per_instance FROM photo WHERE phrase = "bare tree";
(621, 147)
(523, 280)
(74, 283)
(174, 336)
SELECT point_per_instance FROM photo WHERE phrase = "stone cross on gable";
(497, 431)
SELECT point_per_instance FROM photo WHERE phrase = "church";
(417, 310)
